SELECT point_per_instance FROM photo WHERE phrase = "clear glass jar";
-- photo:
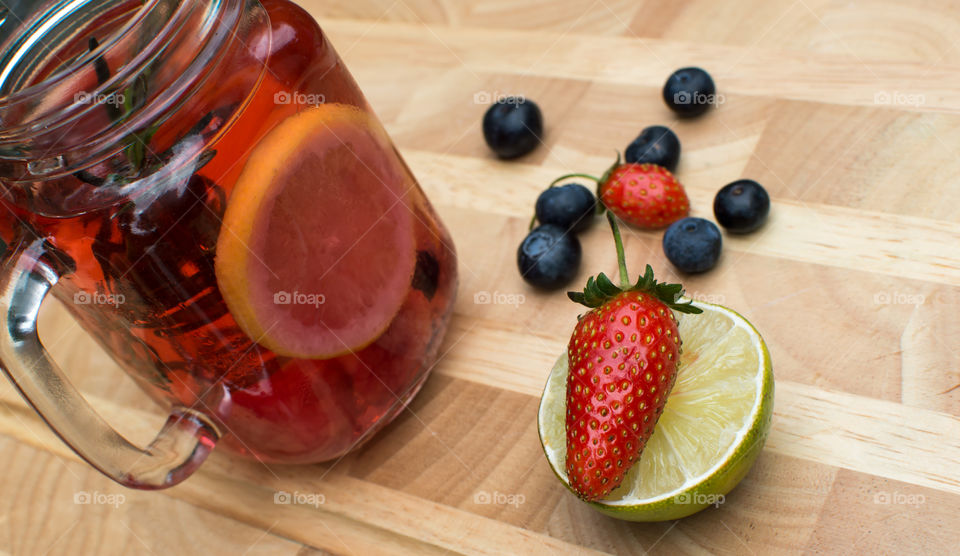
(204, 186)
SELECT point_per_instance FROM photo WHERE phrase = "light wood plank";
(909, 247)
(854, 283)
(349, 516)
(607, 18)
(830, 78)
(917, 32)
(887, 439)
(56, 505)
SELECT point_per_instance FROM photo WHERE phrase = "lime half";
(711, 431)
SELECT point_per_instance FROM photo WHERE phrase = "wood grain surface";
(848, 112)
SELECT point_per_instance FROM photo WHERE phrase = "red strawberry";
(623, 358)
(644, 195)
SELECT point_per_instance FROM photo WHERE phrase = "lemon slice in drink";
(317, 248)
(711, 431)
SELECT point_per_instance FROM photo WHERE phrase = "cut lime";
(711, 431)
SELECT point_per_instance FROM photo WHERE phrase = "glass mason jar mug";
(204, 187)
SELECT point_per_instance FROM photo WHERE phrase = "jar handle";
(178, 450)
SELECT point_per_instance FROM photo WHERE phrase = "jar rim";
(21, 94)
(156, 22)
(61, 103)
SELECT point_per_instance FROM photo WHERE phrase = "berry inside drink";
(284, 274)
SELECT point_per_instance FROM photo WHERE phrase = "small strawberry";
(623, 357)
(642, 195)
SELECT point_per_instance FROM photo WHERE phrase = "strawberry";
(643, 195)
(623, 358)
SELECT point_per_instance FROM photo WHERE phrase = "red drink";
(140, 271)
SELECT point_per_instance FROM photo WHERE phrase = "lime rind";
(733, 430)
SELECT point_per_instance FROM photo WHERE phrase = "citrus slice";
(317, 250)
(712, 429)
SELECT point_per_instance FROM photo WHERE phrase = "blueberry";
(655, 145)
(693, 244)
(742, 206)
(549, 257)
(689, 91)
(569, 206)
(513, 127)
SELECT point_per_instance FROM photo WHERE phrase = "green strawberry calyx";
(601, 289)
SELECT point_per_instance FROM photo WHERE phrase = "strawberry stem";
(621, 258)
(601, 289)
(533, 221)
(568, 176)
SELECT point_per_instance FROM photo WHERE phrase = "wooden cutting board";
(848, 112)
